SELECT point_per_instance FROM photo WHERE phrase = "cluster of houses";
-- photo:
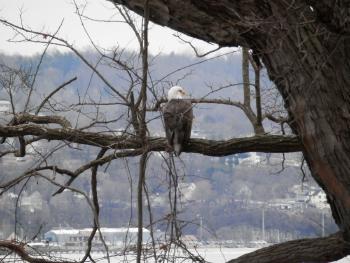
(298, 197)
(306, 195)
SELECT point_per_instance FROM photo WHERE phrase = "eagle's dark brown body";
(178, 116)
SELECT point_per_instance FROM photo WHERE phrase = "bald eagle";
(178, 116)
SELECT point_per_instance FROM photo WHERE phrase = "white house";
(5, 106)
(319, 200)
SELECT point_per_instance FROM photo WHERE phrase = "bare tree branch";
(19, 249)
(53, 93)
(261, 143)
(22, 118)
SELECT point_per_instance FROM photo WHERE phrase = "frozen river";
(217, 255)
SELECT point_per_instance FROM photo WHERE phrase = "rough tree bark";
(322, 249)
(305, 47)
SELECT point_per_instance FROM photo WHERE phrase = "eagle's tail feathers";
(177, 149)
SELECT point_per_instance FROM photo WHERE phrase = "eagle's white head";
(176, 92)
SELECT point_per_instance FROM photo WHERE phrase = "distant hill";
(228, 193)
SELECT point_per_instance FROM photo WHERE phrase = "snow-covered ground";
(217, 255)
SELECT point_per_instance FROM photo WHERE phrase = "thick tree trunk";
(324, 249)
(314, 82)
(305, 47)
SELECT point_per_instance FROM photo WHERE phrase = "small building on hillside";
(319, 200)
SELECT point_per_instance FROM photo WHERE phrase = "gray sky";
(47, 15)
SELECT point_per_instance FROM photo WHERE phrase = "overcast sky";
(47, 15)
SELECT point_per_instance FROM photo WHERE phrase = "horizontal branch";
(322, 249)
(261, 143)
(258, 143)
(229, 102)
(19, 249)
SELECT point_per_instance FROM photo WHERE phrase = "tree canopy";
(305, 48)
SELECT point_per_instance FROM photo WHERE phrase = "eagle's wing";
(178, 116)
